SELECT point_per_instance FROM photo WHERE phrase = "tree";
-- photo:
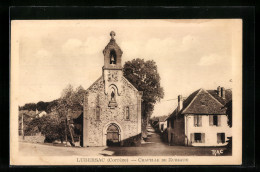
(52, 106)
(70, 100)
(29, 107)
(78, 98)
(145, 77)
(229, 113)
(42, 106)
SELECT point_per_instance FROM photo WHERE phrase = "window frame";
(215, 119)
(127, 113)
(197, 120)
(198, 141)
(98, 109)
(222, 138)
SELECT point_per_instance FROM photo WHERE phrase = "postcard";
(126, 92)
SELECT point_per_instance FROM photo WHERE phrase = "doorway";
(113, 135)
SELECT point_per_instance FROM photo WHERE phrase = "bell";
(112, 59)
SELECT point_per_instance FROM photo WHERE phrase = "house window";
(197, 120)
(214, 120)
(197, 137)
(127, 115)
(220, 137)
(98, 113)
(172, 123)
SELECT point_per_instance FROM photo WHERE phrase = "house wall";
(210, 131)
(94, 131)
(176, 135)
(164, 123)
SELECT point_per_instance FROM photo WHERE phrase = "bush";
(228, 151)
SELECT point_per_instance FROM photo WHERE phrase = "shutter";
(219, 120)
(210, 120)
(202, 137)
(195, 121)
(218, 137)
(200, 121)
(223, 138)
(191, 137)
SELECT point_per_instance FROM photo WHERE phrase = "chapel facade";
(112, 105)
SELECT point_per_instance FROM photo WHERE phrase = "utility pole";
(66, 132)
(22, 127)
(68, 124)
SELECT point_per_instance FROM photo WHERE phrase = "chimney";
(223, 93)
(219, 91)
(180, 103)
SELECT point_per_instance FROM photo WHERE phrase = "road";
(152, 147)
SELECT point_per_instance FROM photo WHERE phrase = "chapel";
(112, 105)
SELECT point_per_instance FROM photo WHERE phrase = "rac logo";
(217, 152)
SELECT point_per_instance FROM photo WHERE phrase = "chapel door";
(112, 136)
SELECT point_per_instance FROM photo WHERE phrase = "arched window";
(127, 114)
(113, 57)
(98, 113)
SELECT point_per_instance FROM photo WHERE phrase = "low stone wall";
(32, 139)
(133, 141)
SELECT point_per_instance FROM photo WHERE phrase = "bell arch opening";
(113, 57)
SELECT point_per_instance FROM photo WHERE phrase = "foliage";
(229, 113)
(52, 106)
(53, 125)
(42, 106)
(145, 77)
(28, 106)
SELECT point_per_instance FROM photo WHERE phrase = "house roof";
(204, 102)
(162, 118)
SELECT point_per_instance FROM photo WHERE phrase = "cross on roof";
(112, 34)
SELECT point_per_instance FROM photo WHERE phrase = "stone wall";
(32, 139)
(94, 132)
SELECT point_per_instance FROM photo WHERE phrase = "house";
(201, 119)
(162, 124)
(112, 105)
(41, 114)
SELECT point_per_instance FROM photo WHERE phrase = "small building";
(162, 124)
(41, 114)
(201, 119)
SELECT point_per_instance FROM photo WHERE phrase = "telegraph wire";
(184, 98)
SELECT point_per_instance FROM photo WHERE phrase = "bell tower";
(112, 69)
(112, 54)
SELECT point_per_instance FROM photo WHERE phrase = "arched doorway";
(113, 135)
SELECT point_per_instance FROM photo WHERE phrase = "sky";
(190, 54)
